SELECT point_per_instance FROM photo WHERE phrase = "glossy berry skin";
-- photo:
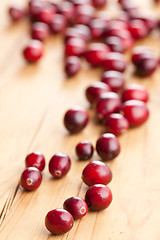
(84, 150)
(114, 79)
(135, 92)
(58, 221)
(84, 13)
(95, 90)
(46, 13)
(116, 123)
(67, 9)
(31, 178)
(97, 27)
(76, 119)
(140, 51)
(98, 197)
(35, 159)
(72, 65)
(59, 165)
(16, 13)
(138, 29)
(58, 23)
(148, 19)
(115, 44)
(34, 7)
(108, 146)
(99, 3)
(136, 112)
(146, 65)
(75, 47)
(96, 172)
(115, 61)
(76, 206)
(40, 31)
(33, 51)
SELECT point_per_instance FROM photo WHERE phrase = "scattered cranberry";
(35, 7)
(84, 13)
(58, 221)
(40, 31)
(97, 27)
(98, 197)
(58, 23)
(135, 92)
(67, 9)
(33, 51)
(138, 29)
(130, 8)
(108, 146)
(35, 159)
(115, 61)
(146, 65)
(84, 150)
(76, 206)
(99, 3)
(46, 13)
(59, 165)
(139, 51)
(31, 178)
(96, 172)
(126, 38)
(135, 111)
(84, 31)
(114, 79)
(114, 27)
(72, 65)
(75, 47)
(148, 19)
(115, 44)
(16, 13)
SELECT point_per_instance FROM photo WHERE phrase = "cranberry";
(130, 8)
(98, 197)
(58, 23)
(40, 31)
(67, 9)
(84, 150)
(139, 51)
(135, 92)
(116, 123)
(123, 16)
(76, 206)
(114, 79)
(31, 178)
(97, 27)
(96, 53)
(148, 19)
(46, 13)
(115, 44)
(78, 31)
(75, 47)
(106, 104)
(146, 65)
(76, 119)
(96, 172)
(72, 65)
(115, 61)
(58, 221)
(59, 165)
(135, 111)
(99, 3)
(95, 90)
(114, 27)
(108, 146)
(84, 13)
(35, 159)
(138, 29)
(126, 38)
(33, 51)
(16, 13)
(34, 7)
(77, 3)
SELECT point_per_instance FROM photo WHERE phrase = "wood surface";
(33, 100)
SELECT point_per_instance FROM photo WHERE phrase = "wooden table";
(33, 99)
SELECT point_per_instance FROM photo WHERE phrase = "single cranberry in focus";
(33, 51)
(67, 9)
(84, 150)
(58, 23)
(135, 111)
(135, 92)
(98, 197)
(40, 31)
(31, 178)
(58, 221)
(72, 65)
(116, 123)
(76, 206)
(108, 146)
(35, 159)
(46, 13)
(96, 172)
(115, 61)
(114, 79)
(75, 47)
(59, 165)
(138, 29)
(16, 13)
(99, 3)
(115, 44)
(84, 13)
(146, 65)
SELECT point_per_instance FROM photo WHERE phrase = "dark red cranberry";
(96, 172)
(138, 29)
(40, 31)
(33, 51)
(84, 31)
(72, 65)
(116, 123)
(146, 65)
(115, 61)
(148, 19)
(97, 27)
(98, 197)
(76, 206)
(99, 3)
(59, 165)
(76, 119)
(114, 79)
(96, 53)
(58, 23)
(34, 7)
(135, 92)
(115, 26)
(95, 90)
(31, 178)
(139, 51)
(84, 13)
(75, 47)
(58, 221)
(84, 150)
(67, 9)
(135, 111)
(126, 38)
(108, 146)
(46, 13)
(35, 159)
(16, 13)
(115, 44)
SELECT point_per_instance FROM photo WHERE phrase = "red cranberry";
(75, 47)
(146, 65)
(46, 13)
(58, 23)
(139, 51)
(135, 92)
(96, 172)
(84, 31)
(96, 53)
(16, 13)
(148, 19)
(59, 165)
(126, 38)
(135, 111)
(114, 79)
(106, 104)
(116, 123)
(99, 3)
(84, 150)
(115, 44)
(97, 27)
(95, 90)
(34, 7)
(33, 51)
(108, 146)
(77, 3)
(138, 29)
(31, 178)
(40, 31)
(72, 65)
(115, 61)
(98, 197)
(76, 206)
(35, 159)
(67, 9)
(58, 221)
(115, 26)
(76, 119)
(84, 13)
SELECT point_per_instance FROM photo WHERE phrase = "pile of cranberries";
(102, 42)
